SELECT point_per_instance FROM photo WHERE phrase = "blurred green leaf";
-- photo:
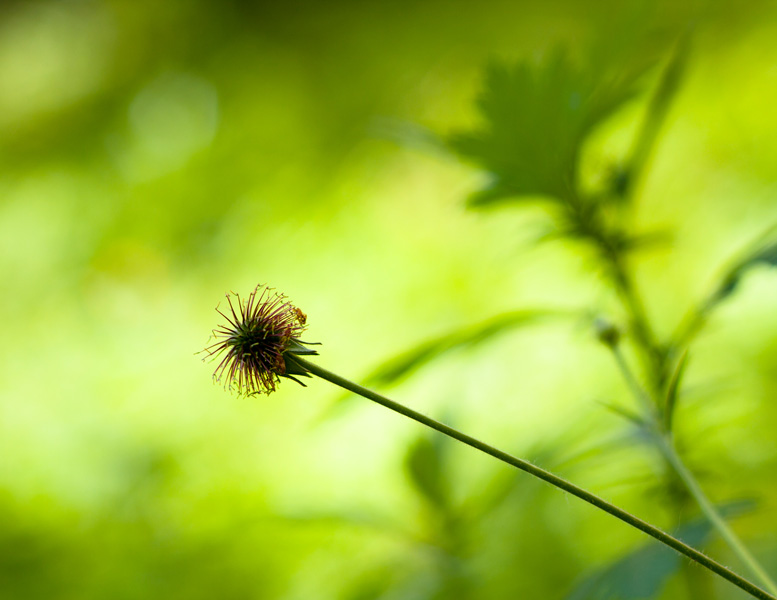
(408, 134)
(425, 464)
(643, 573)
(396, 368)
(624, 413)
(536, 118)
(657, 110)
(765, 255)
(403, 364)
(762, 252)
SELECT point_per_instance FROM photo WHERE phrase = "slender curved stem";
(664, 443)
(540, 473)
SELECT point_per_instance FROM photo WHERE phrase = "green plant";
(260, 345)
(536, 121)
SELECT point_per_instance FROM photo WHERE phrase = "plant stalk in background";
(526, 156)
(659, 431)
(664, 370)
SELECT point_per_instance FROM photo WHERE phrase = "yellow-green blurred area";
(157, 155)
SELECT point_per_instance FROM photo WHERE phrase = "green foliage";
(643, 573)
(413, 359)
(668, 86)
(537, 120)
(425, 465)
(640, 574)
(763, 251)
(763, 254)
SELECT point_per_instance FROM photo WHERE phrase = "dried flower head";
(261, 331)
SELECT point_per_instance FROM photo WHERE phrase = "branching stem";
(663, 441)
(656, 357)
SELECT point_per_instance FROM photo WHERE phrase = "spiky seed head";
(259, 332)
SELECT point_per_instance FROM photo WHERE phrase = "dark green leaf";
(639, 575)
(643, 573)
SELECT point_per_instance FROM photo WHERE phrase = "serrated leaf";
(536, 118)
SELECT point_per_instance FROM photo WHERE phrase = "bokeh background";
(156, 155)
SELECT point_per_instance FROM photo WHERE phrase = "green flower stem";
(664, 443)
(546, 476)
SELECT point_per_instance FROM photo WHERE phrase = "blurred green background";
(156, 155)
